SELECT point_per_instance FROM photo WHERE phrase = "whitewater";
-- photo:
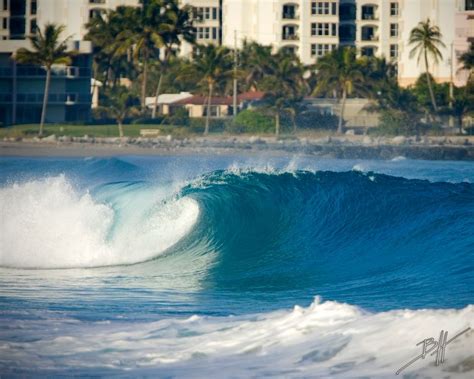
(228, 266)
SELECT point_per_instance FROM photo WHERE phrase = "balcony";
(290, 33)
(369, 33)
(290, 12)
(369, 51)
(290, 37)
(290, 16)
(68, 72)
(369, 12)
(53, 99)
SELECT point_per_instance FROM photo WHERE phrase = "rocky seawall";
(350, 147)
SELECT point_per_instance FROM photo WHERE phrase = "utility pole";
(451, 82)
(451, 86)
(234, 113)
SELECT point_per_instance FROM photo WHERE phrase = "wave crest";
(47, 223)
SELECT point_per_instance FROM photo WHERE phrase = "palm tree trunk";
(45, 100)
(293, 120)
(120, 128)
(208, 115)
(277, 123)
(430, 87)
(144, 80)
(341, 114)
(158, 87)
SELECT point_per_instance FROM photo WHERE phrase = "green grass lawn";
(82, 130)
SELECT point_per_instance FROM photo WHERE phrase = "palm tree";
(213, 65)
(341, 73)
(467, 60)
(426, 41)
(141, 33)
(103, 32)
(120, 104)
(256, 63)
(178, 26)
(47, 51)
(284, 86)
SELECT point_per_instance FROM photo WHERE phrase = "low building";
(165, 100)
(356, 111)
(221, 106)
(22, 87)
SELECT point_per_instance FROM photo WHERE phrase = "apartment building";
(208, 14)
(375, 27)
(21, 86)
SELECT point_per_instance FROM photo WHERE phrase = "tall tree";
(283, 86)
(467, 60)
(256, 63)
(48, 50)
(120, 103)
(340, 73)
(142, 34)
(213, 64)
(177, 27)
(426, 40)
(103, 31)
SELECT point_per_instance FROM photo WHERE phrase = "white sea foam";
(399, 158)
(327, 339)
(47, 223)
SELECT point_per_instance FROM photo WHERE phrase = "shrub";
(316, 120)
(394, 122)
(252, 121)
(179, 117)
(148, 121)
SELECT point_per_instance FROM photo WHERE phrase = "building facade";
(312, 28)
(22, 86)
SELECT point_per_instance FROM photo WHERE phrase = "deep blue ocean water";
(199, 266)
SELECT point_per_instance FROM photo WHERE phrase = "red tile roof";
(251, 95)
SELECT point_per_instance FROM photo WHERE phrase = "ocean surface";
(234, 266)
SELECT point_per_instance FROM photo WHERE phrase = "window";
(214, 111)
(5, 5)
(323, 29)
(4, 23)
(204, 13)
(323, 8)
(393, 51)
(470, 5)
(321, 49)
(203, 33)
(96, 13)
(33, 26)
(33, 7)
(393, 9)
(393, 30)
(215, 33)
(215, 14)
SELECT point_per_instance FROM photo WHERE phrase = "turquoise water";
(233, 266)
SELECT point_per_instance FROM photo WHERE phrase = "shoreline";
(344, 147)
